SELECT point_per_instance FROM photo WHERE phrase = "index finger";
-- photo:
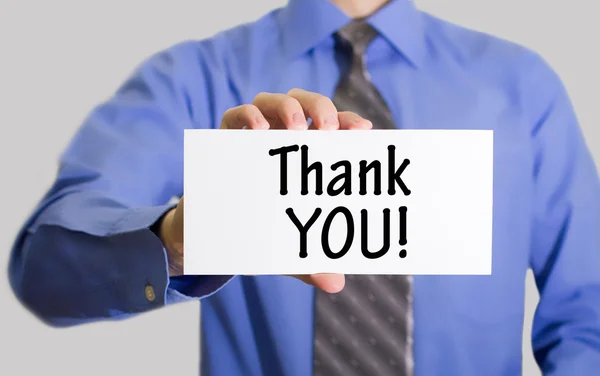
(244, 116)
(282, 110)
(318, 107)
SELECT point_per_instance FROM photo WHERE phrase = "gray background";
(60, 58)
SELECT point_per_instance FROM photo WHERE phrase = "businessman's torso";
(263, 325)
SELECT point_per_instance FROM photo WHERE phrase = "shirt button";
(150, 293)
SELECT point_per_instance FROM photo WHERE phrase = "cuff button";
(150, 293)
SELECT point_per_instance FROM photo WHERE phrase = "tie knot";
(358, 35)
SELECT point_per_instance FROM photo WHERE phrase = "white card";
(428, 212)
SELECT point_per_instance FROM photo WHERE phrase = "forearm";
(566, 339)
(102, 263)
(576, 358)
(66, 276)
(82, 256)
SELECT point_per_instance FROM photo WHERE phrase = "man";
(106, 243)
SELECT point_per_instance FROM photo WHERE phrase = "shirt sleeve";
(566, 227)
(87, 253)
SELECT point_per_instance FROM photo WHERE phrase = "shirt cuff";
(177, 289)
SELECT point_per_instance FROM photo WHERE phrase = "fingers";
(352, 121)
(282, 111)
(318, 107)
(331, 283)
(291, 111)
(245, 116)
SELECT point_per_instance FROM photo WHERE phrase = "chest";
(441, 99)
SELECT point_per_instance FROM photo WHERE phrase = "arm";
(88, 252)
(566, 227)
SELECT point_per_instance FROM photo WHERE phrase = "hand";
(270, 111)
(291, 111)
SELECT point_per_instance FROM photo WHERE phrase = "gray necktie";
(367, 328)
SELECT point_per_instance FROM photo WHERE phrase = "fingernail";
(299, 121)
(331, 120)
(262, 122)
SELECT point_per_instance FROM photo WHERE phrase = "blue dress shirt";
(87, 253)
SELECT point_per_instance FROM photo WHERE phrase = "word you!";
(341, 184)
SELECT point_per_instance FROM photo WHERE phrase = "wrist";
(165, 232)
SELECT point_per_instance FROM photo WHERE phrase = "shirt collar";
(306, 23)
